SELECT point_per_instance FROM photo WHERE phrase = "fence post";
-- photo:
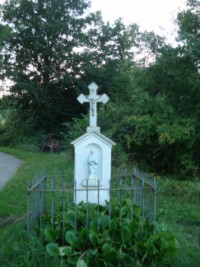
(143, 195)
(154, 208)
(27, 207)
(87, 203)
(63, 207)
(110, 200)
(120, 199)
(75, 200)
(98, 193)
(52, 202)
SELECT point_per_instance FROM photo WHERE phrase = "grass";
(178, 206)
(13, 195)
(179, 211)
(16, 249)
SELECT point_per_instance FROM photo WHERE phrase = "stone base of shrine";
(91, 183)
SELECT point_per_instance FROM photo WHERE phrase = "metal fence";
(51, 195)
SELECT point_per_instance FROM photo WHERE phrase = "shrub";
(14, 128)
(119, 240)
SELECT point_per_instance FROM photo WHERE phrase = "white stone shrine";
(92, 156)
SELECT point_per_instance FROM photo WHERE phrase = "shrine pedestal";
(87, 189)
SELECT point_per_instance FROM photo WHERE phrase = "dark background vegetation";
(52, 50)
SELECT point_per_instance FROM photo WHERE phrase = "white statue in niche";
(93, 166)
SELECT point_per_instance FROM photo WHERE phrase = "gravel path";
(8, 167)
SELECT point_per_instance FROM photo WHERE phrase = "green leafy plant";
(115, 235)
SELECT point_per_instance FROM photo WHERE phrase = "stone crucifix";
(93, 99)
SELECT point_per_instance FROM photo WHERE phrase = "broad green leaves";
(93, 237)
(81, 263)
(70, 238)
(50, 234)
(52, 249)
(125, 234)
(113, 242)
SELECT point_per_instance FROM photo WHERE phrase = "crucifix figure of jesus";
(93, 99)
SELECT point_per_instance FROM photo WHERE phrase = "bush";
(121, 240)
(187, 168)
(13, 128)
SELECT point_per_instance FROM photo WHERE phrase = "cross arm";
(82, 98)
(103, 99)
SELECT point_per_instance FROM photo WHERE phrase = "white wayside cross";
(93, 99)
(92, 171)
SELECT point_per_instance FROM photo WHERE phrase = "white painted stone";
(93, 99)
(88, 178)
(92, 156)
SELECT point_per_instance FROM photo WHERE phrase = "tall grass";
(178, 208)
(16, 248)
(179, 211)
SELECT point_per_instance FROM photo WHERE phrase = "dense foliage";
(52, 50)
(119, 241)
(156, 115)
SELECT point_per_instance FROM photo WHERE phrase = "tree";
(40, 54)
(56, 48)
(189, 35)
(189, 31)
